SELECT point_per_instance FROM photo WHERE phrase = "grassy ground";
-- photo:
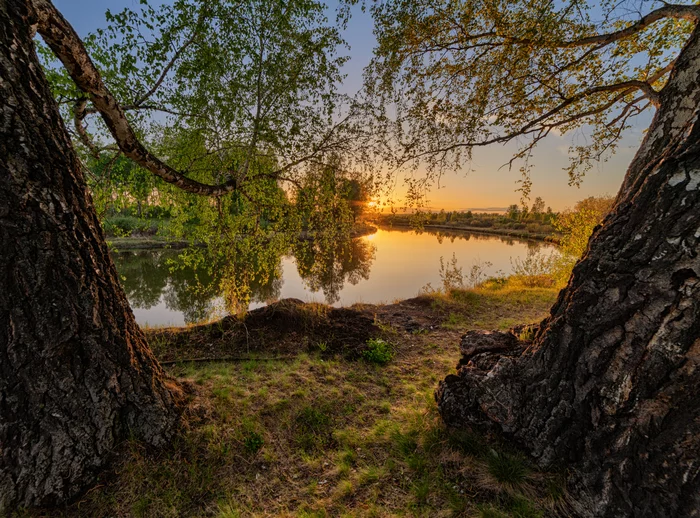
(320, 434)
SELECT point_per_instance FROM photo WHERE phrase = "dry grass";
(322, 435)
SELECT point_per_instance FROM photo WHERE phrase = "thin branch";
(167, 68)
(679, 12)
(68, 47)
(535, 125)
(78, 116)
(495, 38)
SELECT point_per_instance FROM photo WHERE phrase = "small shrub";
(253, 442)
(477, 273)
(378, 351)
(576, 227)
(536, 270)
(451, 274)
(124, 226)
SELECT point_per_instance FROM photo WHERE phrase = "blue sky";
(486, 183)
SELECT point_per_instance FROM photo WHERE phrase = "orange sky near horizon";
(486, 184)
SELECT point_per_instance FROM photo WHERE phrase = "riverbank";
(138, 241)
(312, 423)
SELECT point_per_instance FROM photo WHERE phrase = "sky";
(485, 183)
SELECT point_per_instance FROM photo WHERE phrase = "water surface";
(382, 267)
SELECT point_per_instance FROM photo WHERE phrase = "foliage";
(177, 59)
(222, 90)
(576, 227)
(527, 334)
(123, 226)
(514, 220)
(452, 76)
(453, 277)
(537, 268)
(378, 351)
(451, 274)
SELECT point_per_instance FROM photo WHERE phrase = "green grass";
(253, 442)
(325, 436)
(496, 303)
(507, 469)
(468, 442)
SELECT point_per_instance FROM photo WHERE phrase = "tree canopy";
(238, 83)
(238, 102)
(460, 75)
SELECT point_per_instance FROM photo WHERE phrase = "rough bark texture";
(76, 375)
(609, 386)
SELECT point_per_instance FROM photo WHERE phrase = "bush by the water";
(576, 227)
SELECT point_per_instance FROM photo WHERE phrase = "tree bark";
(609, 386)
(76, 374)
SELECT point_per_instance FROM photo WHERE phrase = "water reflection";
(329, 266)
(452, 235)
(168, 287)
(153, 277)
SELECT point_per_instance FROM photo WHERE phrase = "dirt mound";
(289, 326)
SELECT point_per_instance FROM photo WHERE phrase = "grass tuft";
(507, 469)
(253, 442)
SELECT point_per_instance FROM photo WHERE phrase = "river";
(388, 265)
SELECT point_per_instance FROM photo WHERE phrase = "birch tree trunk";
(76, 374)
(610, 386)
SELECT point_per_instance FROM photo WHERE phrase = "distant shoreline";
(520, 234)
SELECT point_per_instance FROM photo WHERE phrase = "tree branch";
(166, 69)
(538, 126)
(78, 116)
(68, 47)
(679, 12)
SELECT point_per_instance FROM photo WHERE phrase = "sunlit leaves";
(576, 227)
(456, 74)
